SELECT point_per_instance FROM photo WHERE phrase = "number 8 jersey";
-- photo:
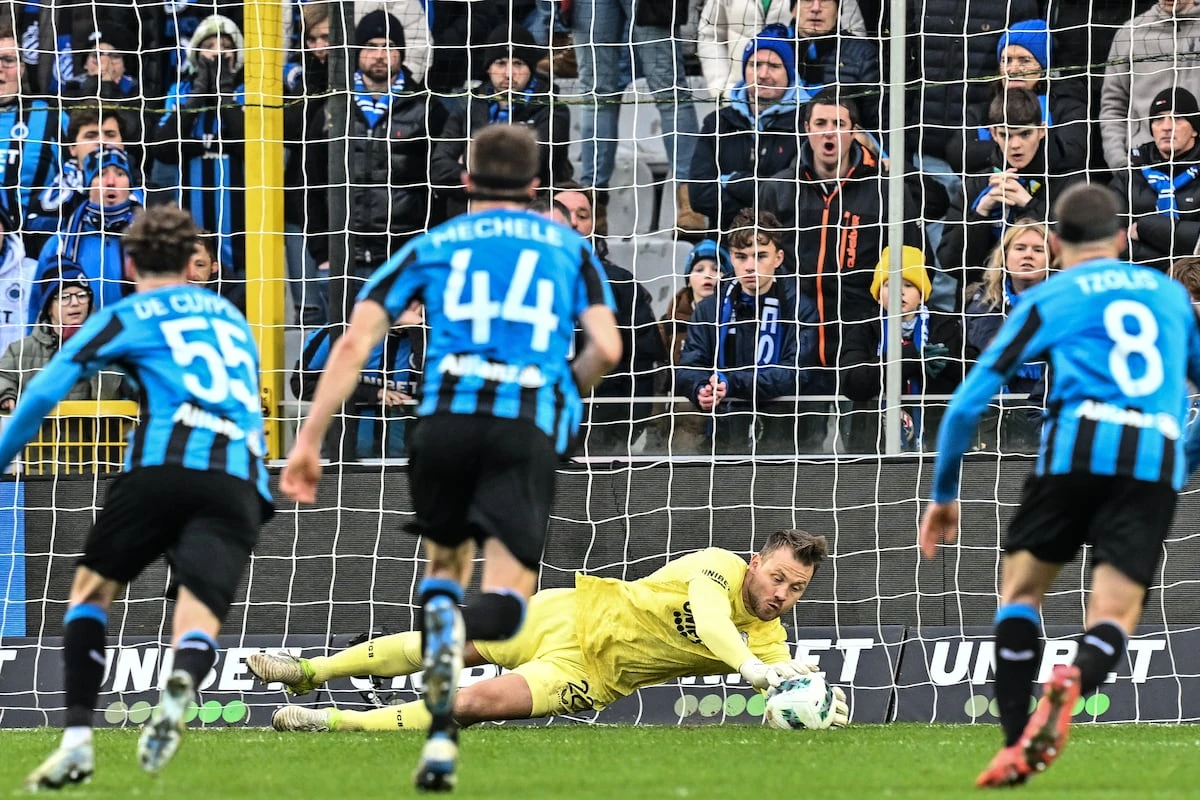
(502, 291)
(1121, 341)
(195, 364)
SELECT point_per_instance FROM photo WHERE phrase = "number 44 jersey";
(1121, 341)
(502, 292)
(194, 363)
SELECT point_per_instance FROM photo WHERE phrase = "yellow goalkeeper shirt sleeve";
(713, 615)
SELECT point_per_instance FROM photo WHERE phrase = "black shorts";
(1125, 520)
(205, 523)
(476, 477)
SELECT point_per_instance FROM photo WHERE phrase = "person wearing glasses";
(67, 306)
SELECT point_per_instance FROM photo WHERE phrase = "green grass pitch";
(577, 761)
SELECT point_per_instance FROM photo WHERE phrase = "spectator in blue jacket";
(383, 400)
(91, 237)
(750, 343)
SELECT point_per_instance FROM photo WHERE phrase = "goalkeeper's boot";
(295, 673)
(439, 758)
(1045, 736)
(289, 719)
(163, 732)
(1008, 768)
(445, 638)
(65, 765)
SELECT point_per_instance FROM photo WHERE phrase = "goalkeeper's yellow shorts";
(546, 654)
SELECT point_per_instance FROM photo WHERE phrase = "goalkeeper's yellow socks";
(387, 656)
(407, 716)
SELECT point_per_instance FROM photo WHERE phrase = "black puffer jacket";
(950, 40)
(388, 167)
(1066, 141)
(850, 62)
(735, 150)
(535, 108)
(1161, 237)
(840, 234)
(970, 237)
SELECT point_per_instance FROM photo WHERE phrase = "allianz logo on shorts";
(1164, 423)
(463, 366)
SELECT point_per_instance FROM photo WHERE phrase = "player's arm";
(1021, 337)
(594, 302)
(713, 615)
(79, 358)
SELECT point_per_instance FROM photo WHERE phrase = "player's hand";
(940, 524)
(936, 358)
(300, 476)
(793, 669)
(841, 709)
(760, 675)
(1015, 194)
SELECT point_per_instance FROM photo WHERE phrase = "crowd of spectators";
(784, 187)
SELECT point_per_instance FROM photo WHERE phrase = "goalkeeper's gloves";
(760, 675)
(841, 709)
(793, 669)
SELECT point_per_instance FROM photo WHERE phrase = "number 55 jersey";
(1121, 341)
(502, 292)
(194, 362)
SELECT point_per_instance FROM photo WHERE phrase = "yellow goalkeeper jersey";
(640, 633)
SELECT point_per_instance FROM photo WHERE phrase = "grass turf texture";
(899, 760)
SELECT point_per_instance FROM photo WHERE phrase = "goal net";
(272, 125)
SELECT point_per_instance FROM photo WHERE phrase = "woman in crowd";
(1020, 262)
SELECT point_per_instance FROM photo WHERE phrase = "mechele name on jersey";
(508, 227)
(462, 366)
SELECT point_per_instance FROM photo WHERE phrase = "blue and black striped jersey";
(195, 362)
(502, 293)
(1121, 340)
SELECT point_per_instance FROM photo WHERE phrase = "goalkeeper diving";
(581, 649)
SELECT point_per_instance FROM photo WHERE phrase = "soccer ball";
(800, 703)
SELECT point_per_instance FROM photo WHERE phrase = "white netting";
(323, 183)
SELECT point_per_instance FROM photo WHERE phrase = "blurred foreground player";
(1120, 339)
(194, 487)
(503, 290)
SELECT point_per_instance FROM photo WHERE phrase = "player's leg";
(385, 657)
(195, 651)
(1044, 534)
(444, 640)
(504, 697)
(84, 633)
(125, 537)
(1128, 520)
(511, 508)
(219, 524)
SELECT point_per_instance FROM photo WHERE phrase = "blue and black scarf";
(737, 306)
(376, 108)
(1165, 187)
